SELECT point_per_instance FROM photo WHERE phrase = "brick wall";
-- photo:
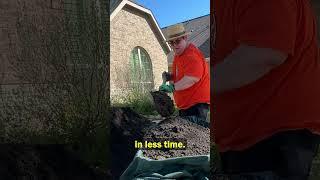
(130, 29)
(46, 16)
(16, 91)
(14, 14)
(37, 37)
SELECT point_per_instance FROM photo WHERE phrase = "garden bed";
(127, 127)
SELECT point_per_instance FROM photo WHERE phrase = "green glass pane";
(141, 69)
(133, 59)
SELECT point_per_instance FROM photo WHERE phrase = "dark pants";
(288, 155)
(197, 113)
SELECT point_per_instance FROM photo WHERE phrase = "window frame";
(141, 69)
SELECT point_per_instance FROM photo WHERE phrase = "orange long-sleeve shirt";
(286, 98)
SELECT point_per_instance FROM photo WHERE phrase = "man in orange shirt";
(266, 76)
(190, 77)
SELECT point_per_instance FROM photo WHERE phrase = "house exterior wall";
(14, 18)
(13, 12)
(12, 40)
(130, 29)
(30, 30)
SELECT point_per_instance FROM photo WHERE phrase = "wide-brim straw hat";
(176, 31)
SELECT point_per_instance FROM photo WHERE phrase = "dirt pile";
(51, 162)
(163, 103)
(175, 129)
(128, 127)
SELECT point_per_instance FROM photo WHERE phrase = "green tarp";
(188, 167)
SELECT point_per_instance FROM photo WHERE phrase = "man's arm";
(185, 82)
(243, 66)
(267, 34)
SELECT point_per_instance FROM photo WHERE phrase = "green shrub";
(140, 102)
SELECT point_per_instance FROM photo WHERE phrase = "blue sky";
(168, 12)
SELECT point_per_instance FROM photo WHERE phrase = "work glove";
(166, 76)
(167, 88)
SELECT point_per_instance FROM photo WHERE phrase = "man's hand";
(166, 76)
(167, 88)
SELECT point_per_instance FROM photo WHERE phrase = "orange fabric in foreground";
(191, 63)
(288, 97)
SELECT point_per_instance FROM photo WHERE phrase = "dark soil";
(197, 137)
(50, 162)
(128, 126)
(163, 103)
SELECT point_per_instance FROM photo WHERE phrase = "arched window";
(141, 70)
